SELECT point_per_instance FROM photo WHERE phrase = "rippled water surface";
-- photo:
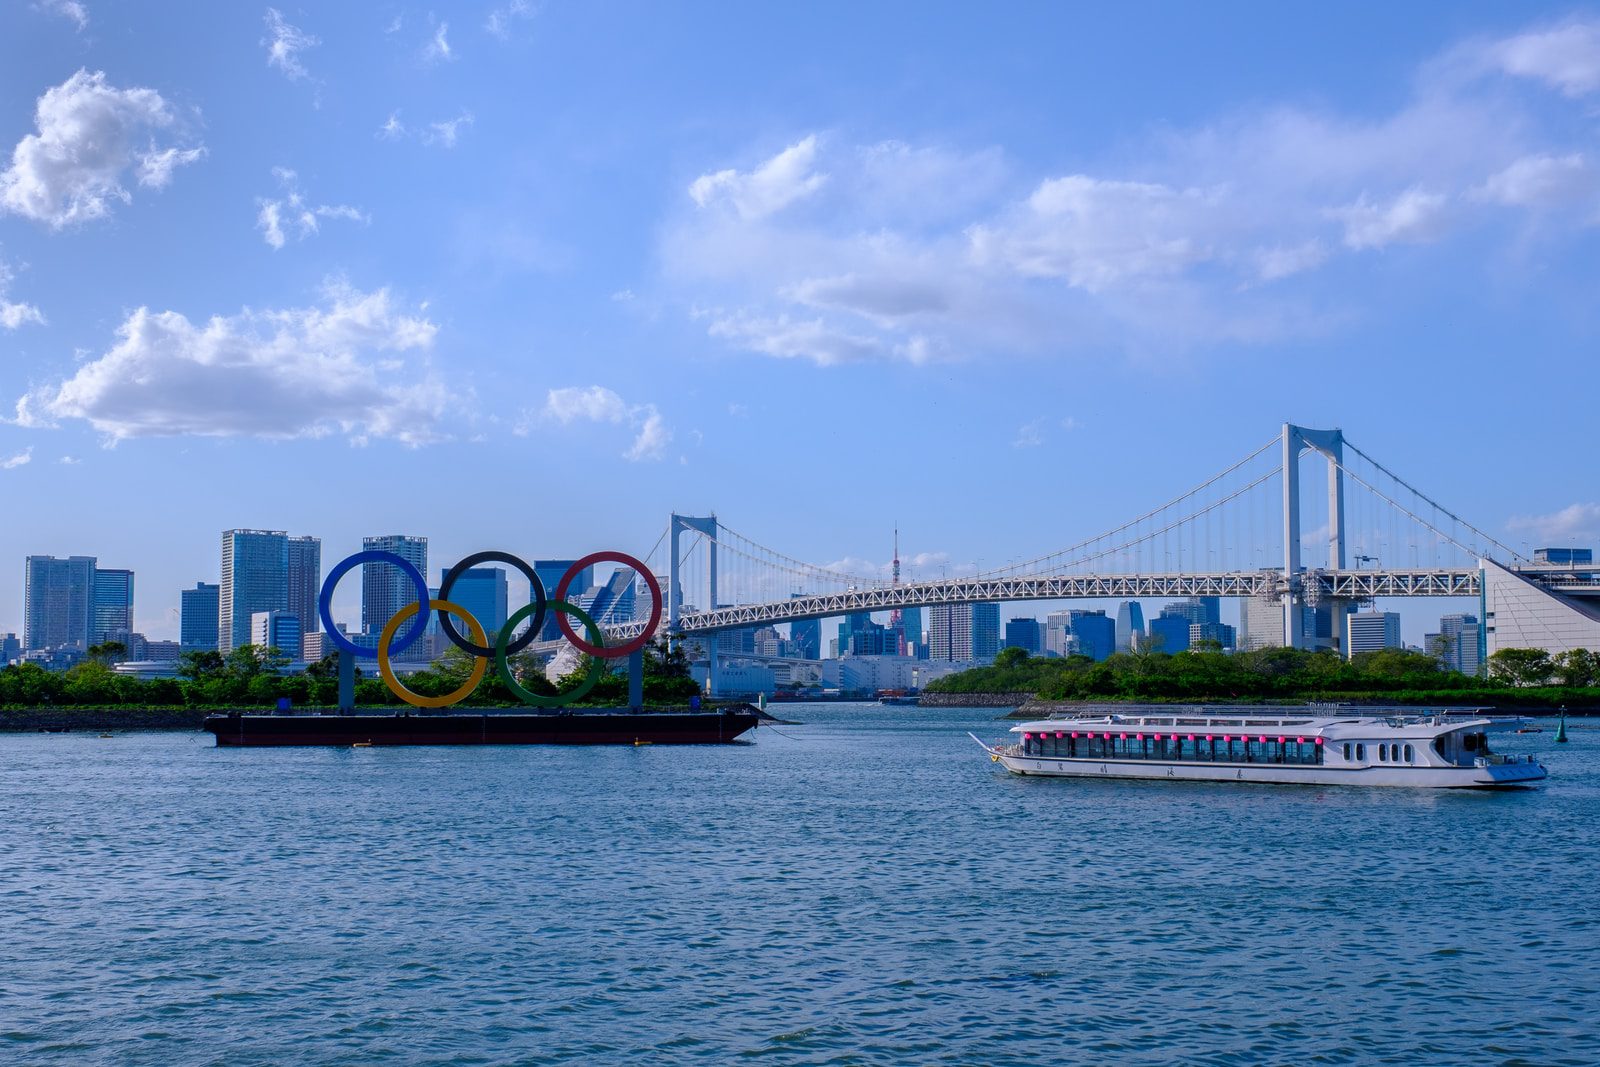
(865, 888)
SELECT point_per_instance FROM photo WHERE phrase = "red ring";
(612, 651)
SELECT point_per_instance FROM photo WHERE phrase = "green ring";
(597, 666)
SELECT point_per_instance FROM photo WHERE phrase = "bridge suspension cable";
(1431, 503)
(1038, 562)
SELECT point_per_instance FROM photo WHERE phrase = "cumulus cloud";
(393, 129)
(596, 403)
(838, 253)
(291, 212)
(1575, 520)
(774, 185)
(1415, 216)
(1566, 57)
(338, 367)
(18, 459)
(503, 18)
(70, 9)
(1542, 181)
(12, 314)
(284, 43)
(89, 136)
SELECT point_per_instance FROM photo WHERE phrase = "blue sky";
(530, 276)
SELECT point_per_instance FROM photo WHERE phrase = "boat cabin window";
(1383, 753)
(1170, 746)
(1347, 751)
(1361, 752)
(1408, 753)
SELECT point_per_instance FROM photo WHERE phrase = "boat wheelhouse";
(1396, 747)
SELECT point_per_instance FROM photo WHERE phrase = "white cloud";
(393, 129)
(284, 43)
(1575, 520)
(1218, 234)
(295, 213)
(1416, 216)
(14, 315)
(339, 367)
(502, 18)
(69, 461)
(1029, 435)
(71, 9)
(17, 460)
(1566, 57)
(777, 183)
(445, 132)
(437, 49)
(1542, 181)
(88, 136)
(596, 403)
(789, 338)
(652, 439)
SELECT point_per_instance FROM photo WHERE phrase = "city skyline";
(1008, 223)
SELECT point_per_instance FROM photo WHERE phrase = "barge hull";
(578, 728)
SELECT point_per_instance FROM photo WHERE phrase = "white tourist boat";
(1308, 747)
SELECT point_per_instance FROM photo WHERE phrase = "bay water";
(866, 887)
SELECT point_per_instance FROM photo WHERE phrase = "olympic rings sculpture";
(477, 645)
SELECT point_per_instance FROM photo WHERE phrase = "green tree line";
(1516, 675)
(251, 676)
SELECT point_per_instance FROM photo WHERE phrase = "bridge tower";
(1330, 443)
(678, 525)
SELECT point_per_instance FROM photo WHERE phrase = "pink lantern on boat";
(1140, 737)
(1319, 740)
(1209, 737)
(1060, 735)
(1027, 737)
(1191, 737)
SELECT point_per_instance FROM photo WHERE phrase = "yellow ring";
(480, 665)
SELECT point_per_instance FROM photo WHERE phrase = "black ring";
(535, 586)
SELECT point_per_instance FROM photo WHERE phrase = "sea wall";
(973, 700)
(102, 718)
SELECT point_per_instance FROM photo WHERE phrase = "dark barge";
(598, 727)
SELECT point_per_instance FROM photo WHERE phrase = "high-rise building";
(1371, 631)
(1169, 633)
(111, 610)
(611, 601)
(950, 632)
(276, 629)
(1130, 621)
(483, 592)
(385, 588)
(1196, 609)
(255, 577)
(305, 581)
(985, 632)
(963, 632)
(550, 572)
(10, 649)
(58, 602)
(1096, 633)
(912, 641)
(1456, 644)
(806, 636)
(1025, 633)
(1057, 630)
(1219, 632)
(1260, 623)
(197, 617)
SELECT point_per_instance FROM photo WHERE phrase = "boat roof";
(1192, 720)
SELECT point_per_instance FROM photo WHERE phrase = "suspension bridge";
(1263, 528)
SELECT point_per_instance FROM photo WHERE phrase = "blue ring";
(325, 602)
